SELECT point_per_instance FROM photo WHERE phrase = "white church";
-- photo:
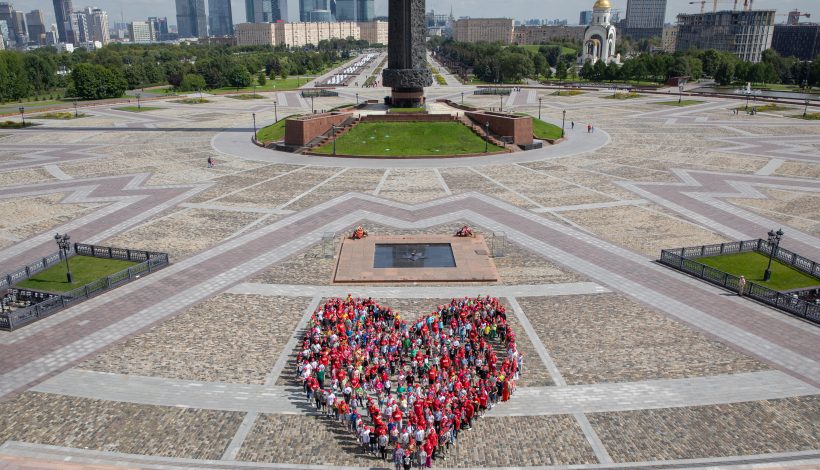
(599, 38)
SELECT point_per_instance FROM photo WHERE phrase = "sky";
(517, 9)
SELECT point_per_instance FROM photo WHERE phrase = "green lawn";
(60, 115)
(280, 84)
(406, 110)
(15, 107)
(135, 109)
(272, 133)
(766, 107)
(623, 96)
(809, 116)
(14, 124)
(682, 103)
(567, 93)
(247, 96)
(753, 264)
(192, 101)
(84, 270)
(544, 130)
(564, 49)
(404, 139)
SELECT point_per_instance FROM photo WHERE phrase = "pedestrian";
(741, 285)
(573, 125)
(589, 128)
(398, 457)
(210, 162)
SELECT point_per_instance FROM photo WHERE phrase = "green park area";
(84, 270)
(406, 110)
(272, 133)
(544, 130)
(137, 109)
(623, 96)
(752, 265)
(280, 84)
(406, 139)
(60, 115)
(681, 103)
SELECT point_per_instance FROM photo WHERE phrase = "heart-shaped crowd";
(407, 389)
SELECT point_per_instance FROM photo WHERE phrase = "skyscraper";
(644, 18)
(355, 10)
(36, 27)
(308, 6)
(160, 27)
(62, 10)
(266, 11)
(191, 19)
(220, 18)
(97, 25)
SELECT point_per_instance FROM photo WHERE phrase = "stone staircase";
(482, 132)
(330, 135)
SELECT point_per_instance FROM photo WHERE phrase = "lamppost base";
(70, 278)
(767, 275)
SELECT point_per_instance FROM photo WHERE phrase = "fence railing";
(682, 259)
(493, 91)
(148, 262)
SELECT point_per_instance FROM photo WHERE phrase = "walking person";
(573, 125)
(210, 162)
(741, 285)
(589, 128)
(398, 457)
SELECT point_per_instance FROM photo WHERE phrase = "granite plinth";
(407, 78)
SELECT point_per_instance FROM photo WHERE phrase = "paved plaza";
(627, 364)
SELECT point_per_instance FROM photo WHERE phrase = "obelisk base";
(407, 85)
(407, 97)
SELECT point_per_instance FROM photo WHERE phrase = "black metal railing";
(684, 259)
(148, 261)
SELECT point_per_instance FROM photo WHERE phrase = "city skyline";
(516, 9)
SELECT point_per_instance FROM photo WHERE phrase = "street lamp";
(539, 108)
(311, 105)
(75, 109)
(139, 105)
(806, 109)
(501, 107)
(563, 123)
(23, 115)
(680, 94)
(357, 98)
(254, 90)
(275, 112)
(774, 243)
(64, 244)
(462, 98)
(254, 127)
(333, 130)
(487, 140)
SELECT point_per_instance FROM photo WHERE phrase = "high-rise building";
(355, 10)
(797, 40)
(586, 18)
(266, 11)
(62, 10)
(141, 32)
(745, 34)
(307, 33)
(4, 35)
(97, 20)
(669, 40)
(77, 31)
(191, 19)
(160, 28)
(308, 6)
(220, 18)
(6, 14)
(644, 18)
(36, 27)
(19, 28)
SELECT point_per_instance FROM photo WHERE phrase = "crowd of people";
(406, 389)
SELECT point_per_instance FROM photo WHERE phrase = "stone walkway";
(377, 292)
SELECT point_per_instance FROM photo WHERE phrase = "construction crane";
(794, 16)
(747, 4)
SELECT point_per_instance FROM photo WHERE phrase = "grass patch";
(623, 96)
(135, 109)
(404, 139)
(14, 125)
(406, 110)
(279, 84)
(567, 93)
(192, 101)
(534, 48)
(544, 130)
(247, 96)
(273, 133)
(679, 104)
(61, 115)
(753, 264)
(809, 116)
(440, 79)
(84, 270)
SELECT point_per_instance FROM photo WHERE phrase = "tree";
(14, 81)
(725, 72)
(95, 82)
(192, 82)
(515, 66)
(587, 72)
(599, 71)
(262, 79)
(561, 70)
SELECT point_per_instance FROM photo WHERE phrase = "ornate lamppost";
(254, 127)
(333, 130)
(139, 104)
(774, 244)
(806, 109)
(76, 115)
(64, 244)
(539, 107)
(275, 112)
(487, 139)
(23, 115)
(563, 122)
(462, 98)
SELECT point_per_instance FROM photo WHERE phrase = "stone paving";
(609, 338)
(229, 338)
(745, 428)
(119, 427)
(589, 210)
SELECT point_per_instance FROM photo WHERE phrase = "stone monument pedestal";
(406, 73)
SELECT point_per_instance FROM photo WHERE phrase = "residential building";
(141, 32)
(36, 23)
(669, 39)
(644, 18)
(266, 11)
(308, 33)
(586, 18)
(547, 33)
(746, 34)
(191, 19)
(355, 10)
(220, 18)
(797, 40)
(484, 30)
(77, 31)
(62, 11)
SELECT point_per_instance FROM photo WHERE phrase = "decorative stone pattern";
(118, 427)
(747, 428)
(28, 216)
(229, 338)
(797, 209)
(609, 338)
(407, 78)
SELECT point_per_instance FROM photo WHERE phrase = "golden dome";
(602, 4)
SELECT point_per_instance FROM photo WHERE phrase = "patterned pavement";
(631, 364)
